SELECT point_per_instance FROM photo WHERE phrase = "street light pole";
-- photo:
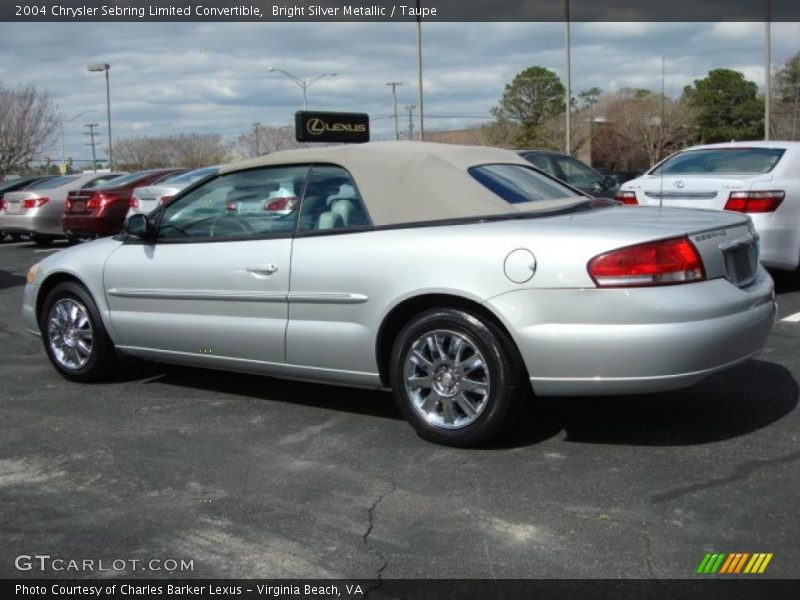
(419, 73)
(394, 85)
(568, 90)
(106, 67)
(304, 84)
(767, 70)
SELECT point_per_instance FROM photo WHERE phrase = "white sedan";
(760, 179)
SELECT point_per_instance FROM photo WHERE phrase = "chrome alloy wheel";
(447, 379)
(70, 334)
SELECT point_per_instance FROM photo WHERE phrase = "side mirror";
(138, 226)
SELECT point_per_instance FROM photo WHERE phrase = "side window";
(241, 205)
(576, 173)
(542, 162)
(331, 201)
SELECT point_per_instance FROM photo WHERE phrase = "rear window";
(50, 184)
(517, 183)
(739, 161)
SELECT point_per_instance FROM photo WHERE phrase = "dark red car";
(100, 211)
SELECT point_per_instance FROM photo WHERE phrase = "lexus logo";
(679, 184)
(317, 126)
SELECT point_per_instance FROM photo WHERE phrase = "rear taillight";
(626, 197)
(656, 263)
(97, 201)
(133, 202)
(754, 202)
(34, 202)
(3, 204)
(284, 203)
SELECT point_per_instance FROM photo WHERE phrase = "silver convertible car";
(461, 278)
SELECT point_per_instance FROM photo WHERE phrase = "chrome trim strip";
(692, 195)
(299, 297)
(327, 298)
(198, 295)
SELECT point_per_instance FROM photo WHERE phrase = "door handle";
(263, 269)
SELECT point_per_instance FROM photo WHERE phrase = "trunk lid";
(726, 241)
(692, 191)
(14, 201)
(149, 197)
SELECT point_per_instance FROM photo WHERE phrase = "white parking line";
(48, 250)
(795, 318)
(14, 244)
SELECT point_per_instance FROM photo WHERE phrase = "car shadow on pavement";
(354, 400)
(10, 280)
(730, 404)
(786, 282)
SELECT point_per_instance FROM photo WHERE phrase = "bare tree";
(649, 124)
(191, 150)
(265, 139)
(28, 126)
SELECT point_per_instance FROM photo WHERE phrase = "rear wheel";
(74, 336)
(455, 377)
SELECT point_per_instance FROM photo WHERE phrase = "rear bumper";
(780, 239)
(41, 224)
(90, 226)
(601, 342)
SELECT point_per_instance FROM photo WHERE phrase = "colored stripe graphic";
(734, 563)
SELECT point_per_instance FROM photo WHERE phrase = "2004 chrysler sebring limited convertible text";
(460, 277)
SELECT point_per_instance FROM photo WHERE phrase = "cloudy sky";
(205, 77)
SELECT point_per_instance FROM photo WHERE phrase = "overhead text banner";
(382, 10)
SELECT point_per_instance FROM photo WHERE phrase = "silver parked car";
(147, 198)
(760, 179)
(36, 211)
(460, 277)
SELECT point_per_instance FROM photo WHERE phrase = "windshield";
(190, 177)
(517, 183)
(717, 161)
(50, 184)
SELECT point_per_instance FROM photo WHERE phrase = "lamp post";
(106, 67)
(303, 83)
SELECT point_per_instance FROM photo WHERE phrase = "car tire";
(456, 377)
(41, 240)
(73, 240)
(74, 336)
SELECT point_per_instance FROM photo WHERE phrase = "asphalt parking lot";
(256, 477)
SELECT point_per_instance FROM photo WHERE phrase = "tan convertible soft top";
(405, 182)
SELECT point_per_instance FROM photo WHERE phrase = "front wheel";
(74, 336)
(455, 377)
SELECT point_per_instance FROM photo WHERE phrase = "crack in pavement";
(365, 537)
(648, 549)
(742, 471)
